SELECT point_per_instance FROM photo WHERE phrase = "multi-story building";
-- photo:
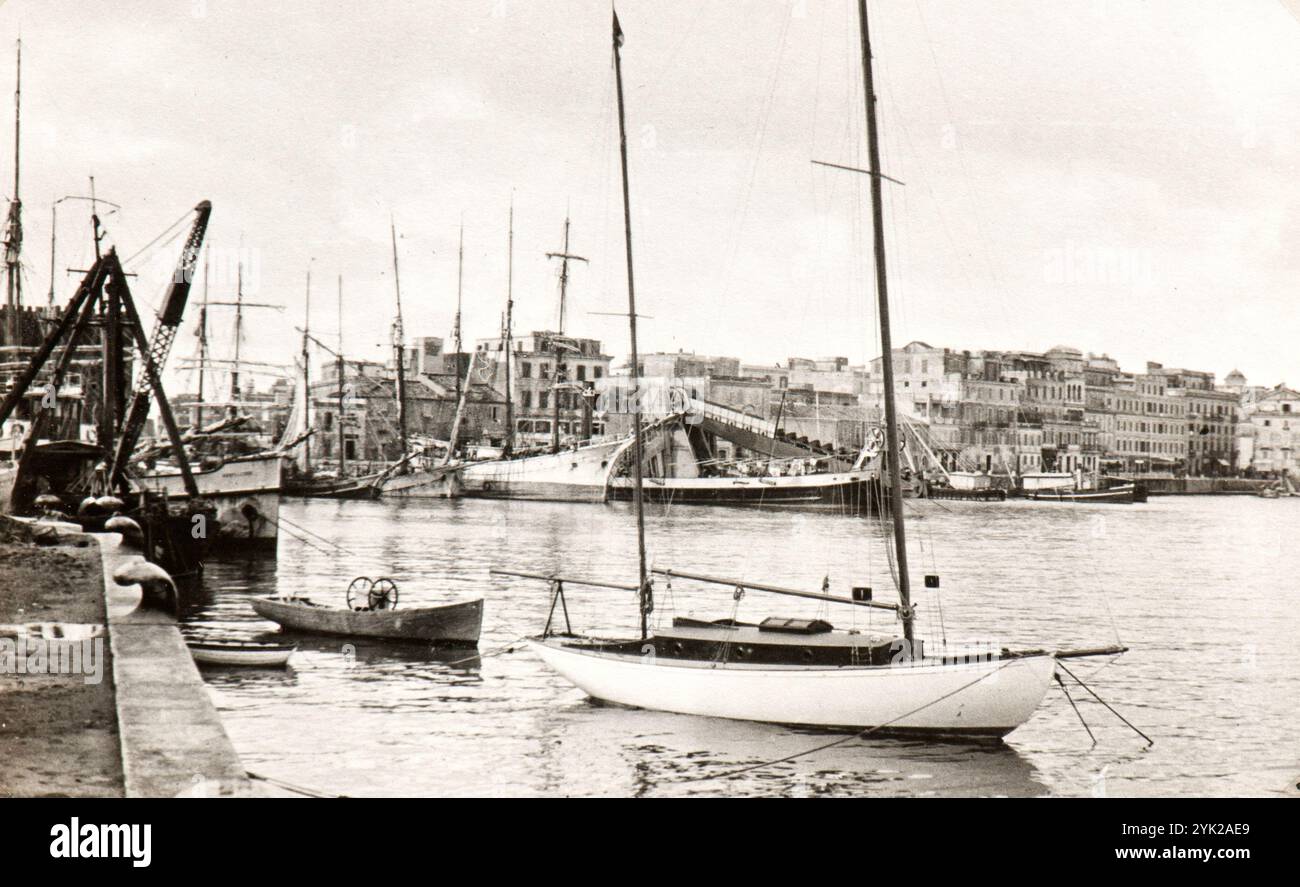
(369, 409)
(1268, 435)
(1211, 418)
(1150, 423)
(550, 371)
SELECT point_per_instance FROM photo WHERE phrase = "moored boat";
(796, 671)
(455, 623)
(245, 491)
(1120, 493)
(984, 697)
(252, 654)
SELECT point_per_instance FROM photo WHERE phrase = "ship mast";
(507, 323)
(14, 232)
(892, 462)
(339, 363)
(643, 582)
(239, 328)
(306, 373)
(460, 284)
(564, 256)
(202, 333)
(399, 351)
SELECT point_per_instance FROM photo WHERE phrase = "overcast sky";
(1116, 175)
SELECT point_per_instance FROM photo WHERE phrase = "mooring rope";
(1061, 683)
(289, 786)
(1150, 741)
(507, 648)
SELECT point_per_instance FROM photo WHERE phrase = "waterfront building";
(1211, 417)
(1268, 435)
(549, 370)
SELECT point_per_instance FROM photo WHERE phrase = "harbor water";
(1202, 589)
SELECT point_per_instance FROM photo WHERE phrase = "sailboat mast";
(892, 462)
(306, 373)
(399, 349)
(508, 323)
(643, 584)
(339, 362)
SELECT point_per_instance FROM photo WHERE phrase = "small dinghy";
(253, 654)
(372, 612)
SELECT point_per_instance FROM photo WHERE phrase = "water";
(1202, 588)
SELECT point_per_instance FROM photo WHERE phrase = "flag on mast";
(618, 32)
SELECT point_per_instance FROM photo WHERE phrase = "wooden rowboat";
(256, 654)
(456, 623)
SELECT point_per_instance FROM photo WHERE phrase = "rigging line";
(961, 156)
(861, 735)
(165, 232)
(764, 115)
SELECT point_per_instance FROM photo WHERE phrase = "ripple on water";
(1201, 588)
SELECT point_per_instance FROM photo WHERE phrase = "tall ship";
(235, 462)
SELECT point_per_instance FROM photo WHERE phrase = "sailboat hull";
(982, 698)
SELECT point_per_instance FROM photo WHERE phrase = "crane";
(164, 333)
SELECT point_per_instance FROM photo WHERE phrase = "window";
(598, 371)
(542, 399)
(528, 398)
(545, 370)
(582, 372)
(526, 369)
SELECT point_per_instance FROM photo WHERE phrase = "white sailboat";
(797, 671)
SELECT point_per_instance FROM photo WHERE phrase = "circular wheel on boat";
(359, 592)
(383, 594)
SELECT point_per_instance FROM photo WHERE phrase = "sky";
(1116, 175)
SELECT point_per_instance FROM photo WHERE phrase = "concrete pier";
(147, 728)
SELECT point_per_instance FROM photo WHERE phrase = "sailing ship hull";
(580, 475)
(433, 483)
(246, 493)
(984, 698)
(954, 494)
(458, 623)
(1125, 494)
(844, 491)
(333, 488)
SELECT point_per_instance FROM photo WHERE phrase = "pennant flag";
(618, 32)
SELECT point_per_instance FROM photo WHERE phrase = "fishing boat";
(372, 612)
(796, 670)
(251, 654)
(1119, 493)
